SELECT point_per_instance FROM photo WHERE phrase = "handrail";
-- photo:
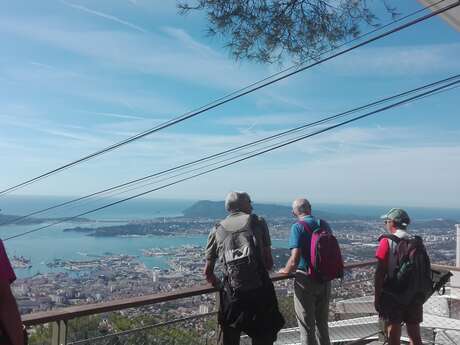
(132, 302)
(125, 303)
(445, 267)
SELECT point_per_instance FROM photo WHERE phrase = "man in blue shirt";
(311, 297)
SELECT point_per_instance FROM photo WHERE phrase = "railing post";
(383, 331)
(219, 335)
(59, 335)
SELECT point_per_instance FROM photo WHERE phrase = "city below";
(111, 276)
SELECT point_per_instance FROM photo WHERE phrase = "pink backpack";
(326, 261)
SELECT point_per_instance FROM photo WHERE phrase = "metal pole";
(59, 333)
(458, 246)
(219, 334)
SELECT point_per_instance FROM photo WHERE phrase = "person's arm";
(10, 319)
(381, 255)
(209, 273)
(380, 273)
(266, 245)
(295, 244)
(293, 262)
(268, 258)
(211, 257)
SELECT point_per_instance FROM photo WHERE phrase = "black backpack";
(241, 256)
(413, 280)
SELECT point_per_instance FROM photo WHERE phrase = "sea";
(47, 244)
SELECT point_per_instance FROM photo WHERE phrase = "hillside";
(7, 219)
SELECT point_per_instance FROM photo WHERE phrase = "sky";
(79, 75)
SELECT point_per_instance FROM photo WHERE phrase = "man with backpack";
(316, 259)
(402, 278)
(248, 301)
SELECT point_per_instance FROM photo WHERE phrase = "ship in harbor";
(21, 262)
(155, 252)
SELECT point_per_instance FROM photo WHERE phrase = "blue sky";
(76, 76)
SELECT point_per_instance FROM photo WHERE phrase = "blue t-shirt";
(299, 238)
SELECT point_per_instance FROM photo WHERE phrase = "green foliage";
(286, 307)
(40, 335)
(268, 30)
(183, 333)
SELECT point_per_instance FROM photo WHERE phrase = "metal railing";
(188, 316)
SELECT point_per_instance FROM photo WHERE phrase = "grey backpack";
(239, 253)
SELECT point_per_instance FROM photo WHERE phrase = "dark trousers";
(254, 312)
(231, 336)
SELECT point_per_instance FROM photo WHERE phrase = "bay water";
(44, 246)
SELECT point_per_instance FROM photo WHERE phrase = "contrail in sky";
(104, 15)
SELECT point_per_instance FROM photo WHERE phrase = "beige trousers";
(311, 304)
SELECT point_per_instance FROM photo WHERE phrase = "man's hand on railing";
(284, 271)
(209, 274)
(213, 280)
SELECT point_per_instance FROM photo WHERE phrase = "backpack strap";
(310, 232)
(307, 227)
(253, 222)
(390, 237)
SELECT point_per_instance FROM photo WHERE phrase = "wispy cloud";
(48, 128)
(399, 60)
(117, 116)
(68, 134)
(41, 65)
(153, 54)
(264, 120)
(105, 15)
(334, 164)
(181, 36)
(84, 86)
(395, 176)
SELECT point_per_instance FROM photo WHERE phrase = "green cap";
(398, 215)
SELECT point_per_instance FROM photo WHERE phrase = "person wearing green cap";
(393, 314)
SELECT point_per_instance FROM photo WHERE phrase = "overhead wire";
(223, 100)
(425, 94)
(228, 151)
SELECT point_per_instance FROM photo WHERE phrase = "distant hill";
(7, 219)
(216, 210)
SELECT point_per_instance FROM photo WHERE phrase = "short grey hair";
(301, 206)
(234, 200)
